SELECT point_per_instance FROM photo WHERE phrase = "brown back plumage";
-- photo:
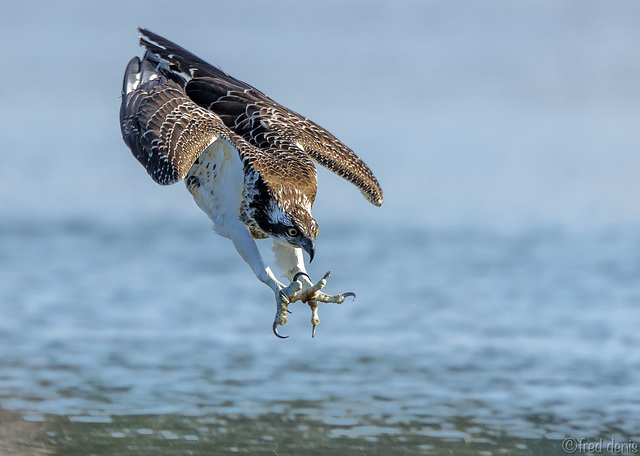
(283, 141)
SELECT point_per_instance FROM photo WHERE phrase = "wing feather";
(258, 119)
(165, 130)
(324, 148)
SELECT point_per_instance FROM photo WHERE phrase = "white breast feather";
(221, 178)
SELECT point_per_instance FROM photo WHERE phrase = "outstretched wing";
(258, 119)
(165, 130)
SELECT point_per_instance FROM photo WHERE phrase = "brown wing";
(259, 120)
(315, 141)
(165, 130)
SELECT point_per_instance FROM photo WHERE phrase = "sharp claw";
(275, 331)
(311, 295)
(284, 297)
(298, 274)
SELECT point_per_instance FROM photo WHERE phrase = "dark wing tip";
(148, 33)
(369, 187)
(377, 198)
(147, 37)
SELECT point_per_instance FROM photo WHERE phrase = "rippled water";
(464, 339)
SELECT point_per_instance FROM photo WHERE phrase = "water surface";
(468, 339)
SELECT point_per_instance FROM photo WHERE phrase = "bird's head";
(301, 231)
(284, 213)
(292, 225)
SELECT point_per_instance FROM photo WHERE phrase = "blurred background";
(497, 113)
(497, 286)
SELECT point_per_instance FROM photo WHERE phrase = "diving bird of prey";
(247, 161)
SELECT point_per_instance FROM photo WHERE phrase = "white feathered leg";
(248, 250)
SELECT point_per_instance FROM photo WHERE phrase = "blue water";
(462, 332)
(498, 292)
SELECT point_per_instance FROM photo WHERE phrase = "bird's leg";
(290, 259)
(248, 250)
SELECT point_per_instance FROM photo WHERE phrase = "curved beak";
(309, 246)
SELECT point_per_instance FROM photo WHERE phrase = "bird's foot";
(308, 292)
(312, 295)
(284, 297)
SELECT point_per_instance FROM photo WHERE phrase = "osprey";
(247, 160)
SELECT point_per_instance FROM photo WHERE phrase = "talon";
(313, 305)
(275, 331)
(284, 298)
(309, 293)
(298, 274)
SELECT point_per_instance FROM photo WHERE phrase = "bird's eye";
(292, 232)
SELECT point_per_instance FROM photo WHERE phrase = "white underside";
(221, 179)
(220, 194)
